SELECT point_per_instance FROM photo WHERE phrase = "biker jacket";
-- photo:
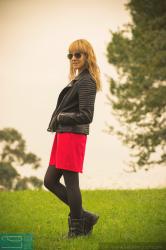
(75, 106)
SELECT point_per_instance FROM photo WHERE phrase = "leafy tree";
(7, 175)
(138, 95)
(28, 182)
(13, 154)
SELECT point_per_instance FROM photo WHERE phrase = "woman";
(70, 120)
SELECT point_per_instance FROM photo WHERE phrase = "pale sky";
(34, 40)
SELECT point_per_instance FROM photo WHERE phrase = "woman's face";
(78, 63)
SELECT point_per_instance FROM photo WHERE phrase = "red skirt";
(68, 151)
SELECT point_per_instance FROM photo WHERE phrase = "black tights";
(69, 194)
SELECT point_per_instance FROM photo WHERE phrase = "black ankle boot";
(90, 220)
(76, 227)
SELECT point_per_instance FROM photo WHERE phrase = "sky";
(35, 36)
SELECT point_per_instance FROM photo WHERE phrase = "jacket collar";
(84, 71)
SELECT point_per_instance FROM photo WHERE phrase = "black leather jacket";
(75, 106)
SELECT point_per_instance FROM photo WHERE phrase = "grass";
(126, 216)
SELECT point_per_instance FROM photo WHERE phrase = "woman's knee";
(50, 184)
(46, 181)
(52, 177)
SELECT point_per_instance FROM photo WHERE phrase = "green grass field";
(126, 216)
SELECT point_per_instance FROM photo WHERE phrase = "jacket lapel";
(67, 96)
(73, 88)
(69, 92)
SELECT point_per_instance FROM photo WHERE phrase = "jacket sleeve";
(86, 96)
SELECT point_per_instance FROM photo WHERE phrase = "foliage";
(138, 95)
(13, 153)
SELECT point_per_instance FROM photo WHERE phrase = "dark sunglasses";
(77, 55)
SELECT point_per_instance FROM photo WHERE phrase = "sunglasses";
(77, 55)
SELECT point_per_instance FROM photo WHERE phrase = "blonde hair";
(83, 45)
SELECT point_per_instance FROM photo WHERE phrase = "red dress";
(68, 151)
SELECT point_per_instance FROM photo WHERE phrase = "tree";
(138, 95)
(13, 154)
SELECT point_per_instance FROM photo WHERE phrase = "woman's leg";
(70, 194)
(52, 183)
(73, 193)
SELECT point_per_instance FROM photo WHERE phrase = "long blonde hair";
(83, 45)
